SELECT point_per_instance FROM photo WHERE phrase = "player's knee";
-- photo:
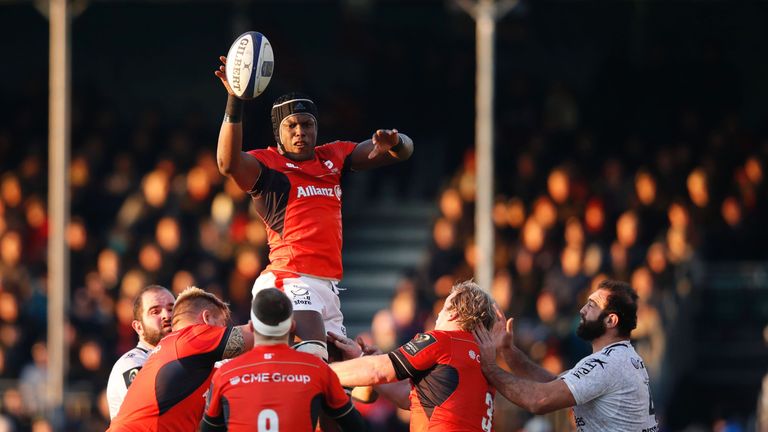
(314, 347)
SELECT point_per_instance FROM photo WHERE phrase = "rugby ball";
(250, 64)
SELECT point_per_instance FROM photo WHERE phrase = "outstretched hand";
(383, 141)
(503, 335)
(221, 73)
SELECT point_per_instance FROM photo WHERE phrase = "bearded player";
(297, 187)
(152, 312)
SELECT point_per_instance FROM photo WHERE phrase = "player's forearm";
(229, 147)
(230, 137)
(367, 370)
(522, 366)
(521, 392)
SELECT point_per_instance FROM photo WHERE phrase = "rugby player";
(609, 390)
(297, 188)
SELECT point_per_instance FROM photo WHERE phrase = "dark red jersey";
(274, 387)
(448, 389)
(300, 203)
(167, 394)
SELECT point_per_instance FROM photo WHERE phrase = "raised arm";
(385, 147)
(536, 397)
(233, 162)
(503, 337)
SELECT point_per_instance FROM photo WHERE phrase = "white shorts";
(309, 294)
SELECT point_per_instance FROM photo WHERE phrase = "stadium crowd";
(560, 228)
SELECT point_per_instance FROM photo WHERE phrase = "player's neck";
(605, 340)
(266, 342)
(448, 326)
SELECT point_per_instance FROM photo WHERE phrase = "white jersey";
(612, 391)
(122, 375)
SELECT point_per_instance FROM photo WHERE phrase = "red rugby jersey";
(274, 387)
(448, 389)
(300, 203)
(167, 394)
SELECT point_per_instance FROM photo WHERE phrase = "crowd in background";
(141, 216)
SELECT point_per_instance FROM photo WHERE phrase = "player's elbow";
(225, 167)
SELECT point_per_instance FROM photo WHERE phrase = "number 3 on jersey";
(268, 421)
(488, 419)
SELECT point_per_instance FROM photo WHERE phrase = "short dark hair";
(271, 306)
(138, 302)
(622, 301)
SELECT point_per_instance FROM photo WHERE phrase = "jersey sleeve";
(336, 403)
(592, 377)
(416, 357)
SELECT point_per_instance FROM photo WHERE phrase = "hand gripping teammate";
(297, 186)
(609, 389)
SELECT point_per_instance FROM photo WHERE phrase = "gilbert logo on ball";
(250, 64)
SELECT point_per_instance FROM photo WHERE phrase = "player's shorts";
(308, 293)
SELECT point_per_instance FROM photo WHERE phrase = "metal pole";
(58, 204)
(484, 124)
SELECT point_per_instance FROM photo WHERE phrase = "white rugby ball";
(250, 64)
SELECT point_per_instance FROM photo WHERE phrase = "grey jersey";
(122, 375)
(612, 391)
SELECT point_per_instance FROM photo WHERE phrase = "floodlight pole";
(485, 13)
(58, 205)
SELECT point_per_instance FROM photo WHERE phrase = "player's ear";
(137, 327)
(206, 316)
(612, 320)
(453, 315)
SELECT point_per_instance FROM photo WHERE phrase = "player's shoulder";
(427, 340)
(265, 155)
(308, 359)
(135, 357)
(616, 350)
(340, 148)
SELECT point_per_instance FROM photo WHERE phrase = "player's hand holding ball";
(248, 66)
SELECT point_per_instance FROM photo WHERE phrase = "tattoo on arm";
(235, 343)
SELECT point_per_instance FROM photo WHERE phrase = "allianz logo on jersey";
(266, 377)
(310, 191)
